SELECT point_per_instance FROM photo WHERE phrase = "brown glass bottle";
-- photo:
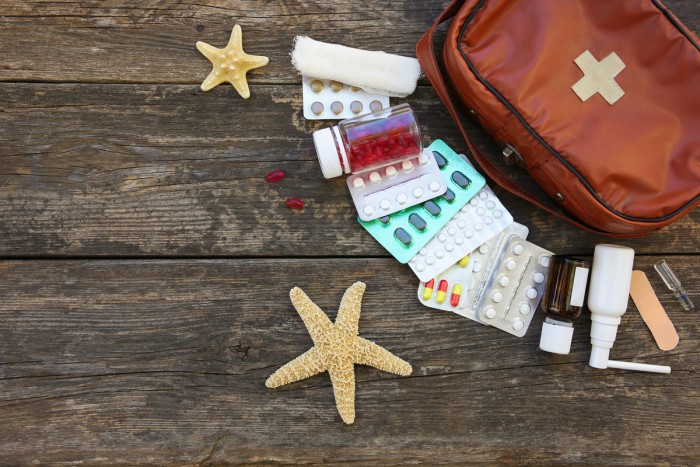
(563, 297)
(562, 301)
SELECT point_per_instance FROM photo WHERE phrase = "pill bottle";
(369, 141)
(562, 301)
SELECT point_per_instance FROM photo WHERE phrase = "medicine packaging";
(480, 219)
(397, 186)
(485, 260)
(333, 100)
(516, 287)
(404, 233)
(448, 290)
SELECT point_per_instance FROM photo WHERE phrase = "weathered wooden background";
(145, 266)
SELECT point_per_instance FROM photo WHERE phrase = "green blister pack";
(405, 232)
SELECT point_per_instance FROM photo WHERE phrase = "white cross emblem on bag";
(599, 77)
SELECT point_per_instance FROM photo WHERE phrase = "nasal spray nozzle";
(608, 294)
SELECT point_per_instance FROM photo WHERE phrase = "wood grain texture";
(145, 266)
(153, 42)
(165, 361)
(168, 170)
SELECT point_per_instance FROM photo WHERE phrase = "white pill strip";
(486, 259)
(332, 100)
(516, 288)
(482, 218)
(392, 188)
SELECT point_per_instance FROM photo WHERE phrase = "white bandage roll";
(375, 72)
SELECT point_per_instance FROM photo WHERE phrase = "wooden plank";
(153, 42)
(165, 361)
(168, 170)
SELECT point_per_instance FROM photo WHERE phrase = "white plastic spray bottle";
(608, 295)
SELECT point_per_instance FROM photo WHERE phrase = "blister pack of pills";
(395, 187)
(404, 233)
(516, 287)
(333, 100)
(480, 219)
(485, 260)
(448, 290)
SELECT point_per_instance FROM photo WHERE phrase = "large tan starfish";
(337, 348)
(230, 64)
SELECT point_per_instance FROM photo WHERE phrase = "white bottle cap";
(556, 336)
(329, 153)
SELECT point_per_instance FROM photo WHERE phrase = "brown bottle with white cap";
(562, 301)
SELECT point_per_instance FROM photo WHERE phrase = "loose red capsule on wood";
(294, 203)
(275, 176)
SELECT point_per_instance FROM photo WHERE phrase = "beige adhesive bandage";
(652, 312)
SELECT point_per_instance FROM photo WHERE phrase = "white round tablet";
(518, 324)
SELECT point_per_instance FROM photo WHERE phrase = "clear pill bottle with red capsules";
(369, 141)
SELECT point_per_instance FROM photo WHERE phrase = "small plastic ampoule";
(674, 284)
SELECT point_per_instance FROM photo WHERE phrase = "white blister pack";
(482, 218)
(395, 187)
(485, 260)
(333, 100)
(448, 290)
(516, 287)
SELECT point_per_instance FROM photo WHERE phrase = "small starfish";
(337, 348)
(230, 64)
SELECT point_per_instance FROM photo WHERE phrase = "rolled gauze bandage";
(375, 72)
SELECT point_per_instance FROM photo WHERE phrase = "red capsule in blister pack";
(294, 203)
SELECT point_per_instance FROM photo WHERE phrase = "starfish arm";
(368, 353)
(302, 367)
(316, 321)
(241, 85)
(213, 80)
(348, 317)
(343, 379)
(209, 51)
(254, 61)
(236, 40)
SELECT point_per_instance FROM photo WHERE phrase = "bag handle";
(425, 51)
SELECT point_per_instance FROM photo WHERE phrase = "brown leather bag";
(598, 100)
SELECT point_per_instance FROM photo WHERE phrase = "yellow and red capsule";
(456, 294)
(428, 289)
(442, 291)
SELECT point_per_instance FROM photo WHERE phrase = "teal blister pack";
(404, 233)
